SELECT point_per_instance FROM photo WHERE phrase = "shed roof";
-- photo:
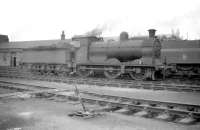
(38, 43)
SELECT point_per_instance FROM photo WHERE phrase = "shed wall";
(45, 56)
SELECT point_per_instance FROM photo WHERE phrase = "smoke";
(99, 29)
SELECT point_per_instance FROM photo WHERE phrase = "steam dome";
(124, 36)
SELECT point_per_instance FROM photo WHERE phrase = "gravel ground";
(43, 114)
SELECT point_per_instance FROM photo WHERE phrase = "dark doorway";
(14, 62)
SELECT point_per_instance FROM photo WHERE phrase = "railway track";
(26, 88)
(169, 85)
(152, 85)
(175, 112)
(167, 111)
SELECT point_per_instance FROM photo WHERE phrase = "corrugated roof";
(32, 44)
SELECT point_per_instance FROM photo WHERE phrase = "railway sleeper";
(164, 116)
(155, 109)
(126, 111)
(164, 105)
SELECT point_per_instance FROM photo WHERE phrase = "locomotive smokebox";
(152, 33)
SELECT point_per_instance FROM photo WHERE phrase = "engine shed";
(15, 53)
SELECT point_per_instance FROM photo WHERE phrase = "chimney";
(152, 33)
(63, 35)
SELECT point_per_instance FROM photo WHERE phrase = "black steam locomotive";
(140, 58)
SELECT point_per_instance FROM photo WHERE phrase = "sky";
(24, 20)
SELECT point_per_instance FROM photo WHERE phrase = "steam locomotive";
(141, 58)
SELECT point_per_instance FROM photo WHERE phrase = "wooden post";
(80, 99)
